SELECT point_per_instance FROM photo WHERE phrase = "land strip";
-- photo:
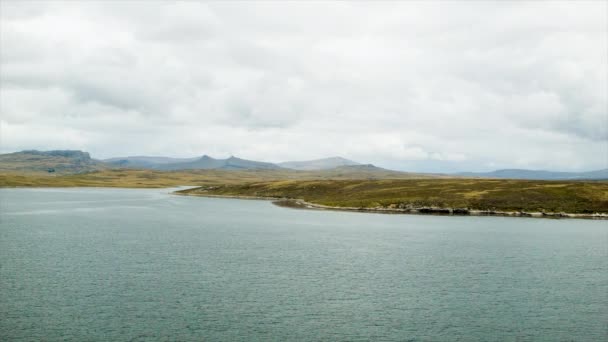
(356, 191)
(133, 178)
(430, 196)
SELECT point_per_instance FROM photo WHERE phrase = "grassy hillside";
(153, 178)
(481, 194)
(349, 187)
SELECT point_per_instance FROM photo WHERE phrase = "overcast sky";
(420, 86)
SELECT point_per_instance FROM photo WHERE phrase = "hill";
(432, 195)
(143, 178)
(538, 174)
(73, 161)
(144, 162)
(318, 164)
(198, 163)
(58, 161)
(206, 163)
(369, 171)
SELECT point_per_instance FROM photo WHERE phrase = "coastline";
(302, 204)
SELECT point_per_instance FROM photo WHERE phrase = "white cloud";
(411, 85)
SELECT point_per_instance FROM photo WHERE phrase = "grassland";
(478, 194)
(349, 188)
(131, 178)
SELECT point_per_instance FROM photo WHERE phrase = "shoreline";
(302, 204)
(437, 211)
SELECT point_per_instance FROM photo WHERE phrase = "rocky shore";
(300, 204)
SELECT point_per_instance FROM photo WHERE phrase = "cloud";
(422, 86)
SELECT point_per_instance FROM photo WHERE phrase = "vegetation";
(348, 187)
(132, 178)
(480, 194)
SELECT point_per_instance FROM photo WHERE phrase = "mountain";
(318, 164)
(369, 171)
(145, 162)
(206, 162)
(539, 174)
(58, 161)
(198, 163)
(74, 161)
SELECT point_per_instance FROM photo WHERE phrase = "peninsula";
(527, 198)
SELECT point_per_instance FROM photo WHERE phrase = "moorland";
(348, 186)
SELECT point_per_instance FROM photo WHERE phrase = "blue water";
(131, 265)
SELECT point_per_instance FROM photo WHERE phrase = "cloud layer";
(422, 86)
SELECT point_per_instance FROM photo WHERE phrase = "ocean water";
(145, 265)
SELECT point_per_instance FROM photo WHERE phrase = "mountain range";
(73, 161)
(145, 161)
(233, 163)
(538, 174)
(318, 164)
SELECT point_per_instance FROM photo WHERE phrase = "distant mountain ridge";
(233, 163)
(539, 174)
(74, 161)
(145, 161)
(206, 163)
(318, 164)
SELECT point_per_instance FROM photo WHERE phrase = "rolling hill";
(318, 164)
(467, 194)
(539, 174)
(198, 163)
(206, 163)
(145, 162)
(58, 161)
(73, 161)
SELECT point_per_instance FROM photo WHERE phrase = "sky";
(419, 86)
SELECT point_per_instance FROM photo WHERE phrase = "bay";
(128, 265)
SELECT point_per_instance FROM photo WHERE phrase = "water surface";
(120, 264)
